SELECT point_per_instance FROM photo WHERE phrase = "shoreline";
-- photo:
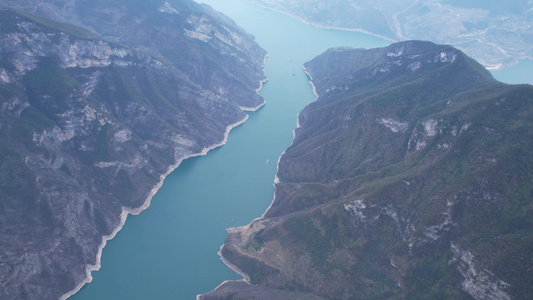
(232, 267)
(262, 217)
(276, 181)
(496, 67)
(488, 66)
(311, 82)
(135, 211)
(265, 80)
(317, 25)
(257, 90)
(245, 108)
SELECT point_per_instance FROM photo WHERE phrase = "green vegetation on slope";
(409, 178)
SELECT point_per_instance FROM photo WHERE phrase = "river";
(169, 251)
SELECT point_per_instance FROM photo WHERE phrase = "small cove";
(169, 251)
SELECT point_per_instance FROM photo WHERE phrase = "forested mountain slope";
(410, 177)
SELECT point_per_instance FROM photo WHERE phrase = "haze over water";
(170, 250)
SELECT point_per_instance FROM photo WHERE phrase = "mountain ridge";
(91, 126)
(407, 179)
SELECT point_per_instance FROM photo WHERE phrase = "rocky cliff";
(94, 115)
(410, 177)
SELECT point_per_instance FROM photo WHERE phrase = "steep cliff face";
(409, 178)
(89, 127)
(201, 42)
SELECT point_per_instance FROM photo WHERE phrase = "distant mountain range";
(495, 33)
(410, 177)
(99, 100)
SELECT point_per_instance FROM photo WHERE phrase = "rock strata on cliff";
(410, 177)
(93, 116)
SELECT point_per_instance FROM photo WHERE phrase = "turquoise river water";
(169, 251)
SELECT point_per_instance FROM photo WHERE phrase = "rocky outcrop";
(401, 183)
(89, 127)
